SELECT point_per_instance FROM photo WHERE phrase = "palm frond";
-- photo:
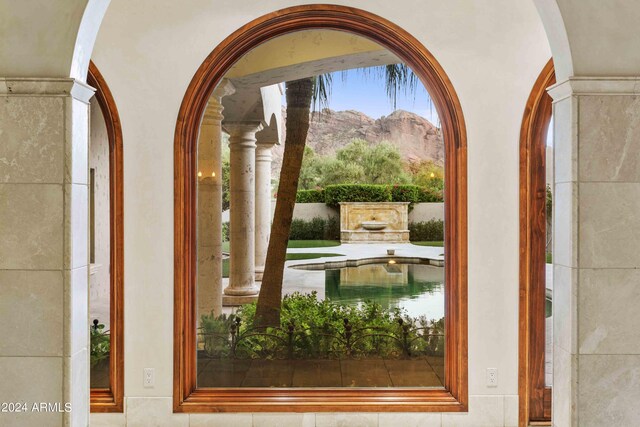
(321, 91)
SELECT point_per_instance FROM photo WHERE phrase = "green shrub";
(316, 229)
(426, 231)
(334, 194)
(310, 196)
(100, 343)
(430, 195)
(313, 328)
(405, 193)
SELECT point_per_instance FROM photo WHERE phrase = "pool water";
(417, 288)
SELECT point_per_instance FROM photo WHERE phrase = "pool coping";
(333, 265)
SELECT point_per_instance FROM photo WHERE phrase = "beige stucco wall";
(99, 279)
(492, 53)
(426, 212)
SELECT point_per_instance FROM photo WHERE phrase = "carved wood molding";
(533, 406)
(186, 396)
(111, 399)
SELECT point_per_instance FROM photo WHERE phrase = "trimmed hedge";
(334, 194)
(405, 193)
(427, 231)
(430, 195)
(310, 196)
(316, 229)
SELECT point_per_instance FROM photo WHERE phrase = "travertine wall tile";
(31, 380)
(565, 308)
(565, 230)
(76, 162)
(31, 139)
(565, 141)
(75, 383)
(30, 313)
(220, 420)
(153, 411)
(346, 420)
(565, 387)
(609, 225)
(511, 411)
(603, 294)
(76, 223)
(609, 138)
(76, 315)
(97, 419)
(284, 420)
(609, 390)
(415, 419)
(31, 226)
(484, 411)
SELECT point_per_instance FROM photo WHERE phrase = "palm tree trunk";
(299, 94)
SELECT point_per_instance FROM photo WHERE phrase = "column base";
(259, 272)
(241, 292)
(237, 300)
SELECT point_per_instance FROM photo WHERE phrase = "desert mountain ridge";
(416, 137)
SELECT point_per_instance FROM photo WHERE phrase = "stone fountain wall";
(395, 216)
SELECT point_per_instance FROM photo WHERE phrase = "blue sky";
(367, 94)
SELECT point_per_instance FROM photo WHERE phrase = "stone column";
(242, 144)
(44, 251)
(263, 204)
(596, 254)
(210, 203)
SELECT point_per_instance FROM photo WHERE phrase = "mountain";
(416, 137)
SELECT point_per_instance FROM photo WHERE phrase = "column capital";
(224, 88)
(239, 129)
(263, 151)
(266, 144)
(581, 86)
(213, 112)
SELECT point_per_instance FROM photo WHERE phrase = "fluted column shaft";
(263, 205)
(242, 144)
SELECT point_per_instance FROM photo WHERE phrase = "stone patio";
(419, 372)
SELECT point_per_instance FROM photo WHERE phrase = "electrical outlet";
(492, 377)
(149, 379)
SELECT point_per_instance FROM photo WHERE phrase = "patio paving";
(420, 372)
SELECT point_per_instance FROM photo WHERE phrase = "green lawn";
(313, 243)
(438, 244)
(299, 244)
(290, 257)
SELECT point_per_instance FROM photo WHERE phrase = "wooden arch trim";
(111, 399)
(186, 396)
(534, 397)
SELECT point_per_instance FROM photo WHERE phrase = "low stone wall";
(308, 211)
(426, 212)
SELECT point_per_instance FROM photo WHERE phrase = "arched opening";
(187, 396)
(106, 167)
(534, 388)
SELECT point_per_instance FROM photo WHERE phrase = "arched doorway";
(109, 396)
(187, 397)
(534, 392)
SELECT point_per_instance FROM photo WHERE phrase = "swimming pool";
(417, 288)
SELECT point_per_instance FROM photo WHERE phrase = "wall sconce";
(199, 174)
(213, 174)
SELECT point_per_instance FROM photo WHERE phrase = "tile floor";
(419, 372)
